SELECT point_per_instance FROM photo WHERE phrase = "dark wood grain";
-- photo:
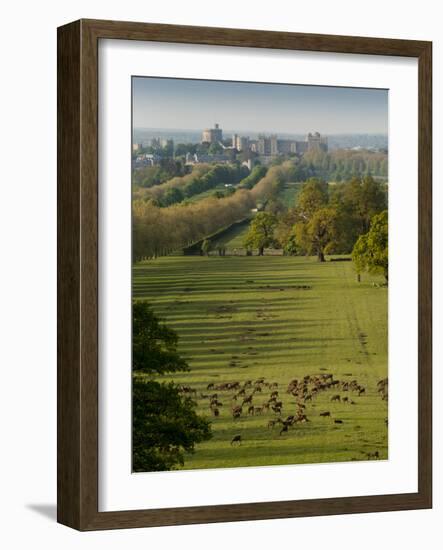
(68, 276)
(425, 273)
(78, 270)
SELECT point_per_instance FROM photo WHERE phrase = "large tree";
(261, 232)
(357, 201)
(313, 195)
(315, 227)
(318, 235)
(370, 252)
(165, 423)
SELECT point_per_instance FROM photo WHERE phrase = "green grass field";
(205, 194)
(234, 237)
(242, 318)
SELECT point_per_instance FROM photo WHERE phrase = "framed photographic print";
(244, 275)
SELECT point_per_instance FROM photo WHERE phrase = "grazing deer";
(247, 399)
(326, 413)
(335, 398)
(338, 421)
(236, 411)
(236, 439)
(373, 455)
(284, 429)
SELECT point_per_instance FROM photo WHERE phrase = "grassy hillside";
(234, 237)
(205, 194)
(243, 318)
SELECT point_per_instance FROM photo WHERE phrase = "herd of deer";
(244, 397)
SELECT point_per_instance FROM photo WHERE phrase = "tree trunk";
(261, 251)
(321, 256)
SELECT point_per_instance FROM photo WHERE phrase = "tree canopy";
(261, 232)
(165, 423)
(154, 345)
(370, 252)
(318, 234)
(330, 218)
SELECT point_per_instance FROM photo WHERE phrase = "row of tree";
(158, 231)
(343, 164)
(339, 165)
(202, 178)
(325, 219)
(165, 170)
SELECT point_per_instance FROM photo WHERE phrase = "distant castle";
(268, 145)
(272, 145)
(212, 135)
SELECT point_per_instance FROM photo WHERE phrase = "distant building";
(241, 143)
(166, 142)
(212, 135)
(267, 145)
(198, 158)
(317, 143)
(248, 163)
(137, 147)
(271, 146)
(143, 160)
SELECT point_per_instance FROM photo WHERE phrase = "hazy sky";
(196, 104)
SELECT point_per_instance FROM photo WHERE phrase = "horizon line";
(264, 131)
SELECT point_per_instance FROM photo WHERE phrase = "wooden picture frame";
(78, 274)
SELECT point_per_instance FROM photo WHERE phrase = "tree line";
(326, 219)
(202, 178)
(340, 165)
(166, 169)
(158, 230)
